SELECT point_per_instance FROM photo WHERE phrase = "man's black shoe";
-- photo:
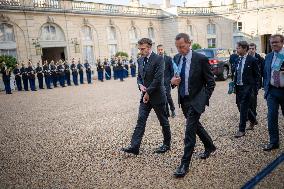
(130, 150)
(162, 149)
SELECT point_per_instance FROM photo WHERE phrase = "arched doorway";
(52, 41)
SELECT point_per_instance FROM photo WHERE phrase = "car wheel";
(225, 74)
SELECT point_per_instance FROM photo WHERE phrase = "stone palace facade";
(63, 29)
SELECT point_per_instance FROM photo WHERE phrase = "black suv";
(219, 60)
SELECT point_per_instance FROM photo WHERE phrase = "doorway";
(53, 53)
(266, 48)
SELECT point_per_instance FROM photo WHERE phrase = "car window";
(222, 53)
(207, 53)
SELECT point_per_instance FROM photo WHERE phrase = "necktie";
(239, 71)
(276, 75)
(182, 76)
(145, 61)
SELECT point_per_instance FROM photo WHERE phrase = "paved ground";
(71, 138)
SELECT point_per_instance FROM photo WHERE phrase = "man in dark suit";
(150, 81)
(168, 74)
(195, 86)
(273, 81)
(233, 59)
(246, 80)
(260, 63)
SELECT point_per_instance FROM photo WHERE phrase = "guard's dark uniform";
(115, 74)
(88, 72)
(126, 70)
(17, 73)
(61, 74)
(53, 71)
(74, 74)
(120, 71)
(107, 71)
(100, 70)
(25, 78)
(39, 73)
(31, 76)
(132, 68)
(47, 75)
(6, 75)
(81, 72)
(67, 74)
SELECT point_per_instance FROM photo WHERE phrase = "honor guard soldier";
(6, 76)
(88, 71)
(31, 75)
(126, 68)
(74, 72)
(25, 78)
(53, 71)
(81, 71)
(18, 78)
(120, 70)
(67, 72)
(100, 69)
(39, 73)
(107, 70)
(47, 74)
(61, 73)
(114, 68)
(132, 67)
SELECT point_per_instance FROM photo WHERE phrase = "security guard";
(6, 75)
(100, 70)
(47, 74)
(31, 75)
(67, 72)
(18, 78)
(25, 77)
(107, 70)
(120, 70)
(53, 71)
(39, 73)
(88, 71)
(61, 73)
(81, 71)
(74, 72)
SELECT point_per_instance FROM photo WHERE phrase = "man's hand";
(175, 81)
(142, 88)
(146, 98)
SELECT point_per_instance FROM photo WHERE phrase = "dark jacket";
(152, 77)
(201, 81)
(169, 71)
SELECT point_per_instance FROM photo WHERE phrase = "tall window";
(151, 33)
(211, 42)
(112, 48)
(6, 32)
(87, 42)
(237, 26)
(189, 30)
(51, 32)
(7, 40)
(86, 33)
(211, 29)
(111, 33)
(133, 33)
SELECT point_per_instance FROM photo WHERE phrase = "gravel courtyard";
(71, 138)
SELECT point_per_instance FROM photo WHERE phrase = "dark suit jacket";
(169, 71)
(152, 77)
(233, 60)
(201, 81)
(251, 74)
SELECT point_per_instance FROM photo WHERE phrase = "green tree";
(120, 53)
(196, 46)
(10, 61)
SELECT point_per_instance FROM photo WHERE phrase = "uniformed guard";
(132, 67)
(100, 70)
(47, 74)
(88, 71)
(25, 77)
(6, 76)
(125, 68)
(74, 72)
(114, 68)
(18, 78)
(53, 70)
(67, 72)
(120, 70)
(31, 75)
(81, 71)
(107, 69)
(39, 73)
(61, 73)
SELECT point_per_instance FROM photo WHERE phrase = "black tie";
(145, 61)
